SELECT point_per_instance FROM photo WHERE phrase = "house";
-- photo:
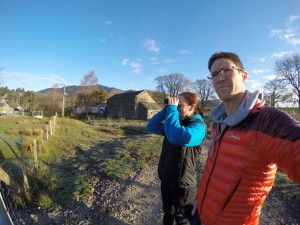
(132, 105)
(4, 109)
(96, 109)
(16, 109)
(37, 114)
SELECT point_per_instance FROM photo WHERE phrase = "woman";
(182, 124)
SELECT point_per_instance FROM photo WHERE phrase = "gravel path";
(137, 201)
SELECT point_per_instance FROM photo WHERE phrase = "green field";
(77, 150)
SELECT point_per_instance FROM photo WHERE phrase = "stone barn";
(136, 105)
(4, 109)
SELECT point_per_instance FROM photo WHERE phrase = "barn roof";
(3, 104)
(128, 94)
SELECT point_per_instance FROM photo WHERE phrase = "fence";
(9, 188)
(8, 210)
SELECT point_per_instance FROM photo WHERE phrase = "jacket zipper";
(231, 194)
(212, 170)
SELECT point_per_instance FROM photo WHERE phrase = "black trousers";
(177, 204)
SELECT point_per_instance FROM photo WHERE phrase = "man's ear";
(244, 75)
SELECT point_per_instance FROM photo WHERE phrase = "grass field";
(115, 149)
(66, 162)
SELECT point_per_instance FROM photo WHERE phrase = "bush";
(44, 201)
(27, 144)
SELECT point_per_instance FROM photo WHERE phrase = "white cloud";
(108, 22)
(185, 52)
(290, 33)
(254, 85)
(30, 81)
(132, 84)
(259, 59)
(151, 45)
(256, 71)
(270, 77)
(137, 67)
(154, 60)
(280, 54)
(125, 62)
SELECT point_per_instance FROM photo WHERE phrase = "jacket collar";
(250, 101)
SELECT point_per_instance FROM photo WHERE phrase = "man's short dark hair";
(225, 55)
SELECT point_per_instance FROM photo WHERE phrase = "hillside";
(75, 88)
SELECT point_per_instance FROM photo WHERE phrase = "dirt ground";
(137, 201)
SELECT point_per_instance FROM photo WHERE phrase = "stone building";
(136, 105)
(4, 109)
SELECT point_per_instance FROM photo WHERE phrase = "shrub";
(27, 144)
(12, 131)
(28, 132)
(44, 201)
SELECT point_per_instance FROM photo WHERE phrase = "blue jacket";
(181, 146)
(167, 123)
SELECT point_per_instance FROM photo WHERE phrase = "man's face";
(228, 79)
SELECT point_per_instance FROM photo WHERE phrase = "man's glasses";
(225, 71)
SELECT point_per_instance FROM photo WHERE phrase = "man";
(248, 143)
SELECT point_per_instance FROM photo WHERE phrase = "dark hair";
(225, 55)
(192, 98)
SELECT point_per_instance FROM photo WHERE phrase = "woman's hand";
(173, 101)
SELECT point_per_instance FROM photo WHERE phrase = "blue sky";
(130, 42)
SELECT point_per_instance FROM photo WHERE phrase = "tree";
(30, 101)
(53, 100)
(288, 69)
(89, 82)
(172, 84)
(93, 98)
(275, 92)
(205, 91)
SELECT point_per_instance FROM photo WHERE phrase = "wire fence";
(10, 188)
(9, 213)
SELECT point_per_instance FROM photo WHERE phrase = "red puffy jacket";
(242, 164)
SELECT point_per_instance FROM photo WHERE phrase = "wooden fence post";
(50, 127)
(47, 133)
(42, 135)
(25, 180)
(35, 158)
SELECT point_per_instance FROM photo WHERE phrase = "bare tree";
(89, 82)
(205, 91)
(288, 69)
(275, 92)
(172, 84)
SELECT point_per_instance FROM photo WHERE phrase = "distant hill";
(74, 88)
